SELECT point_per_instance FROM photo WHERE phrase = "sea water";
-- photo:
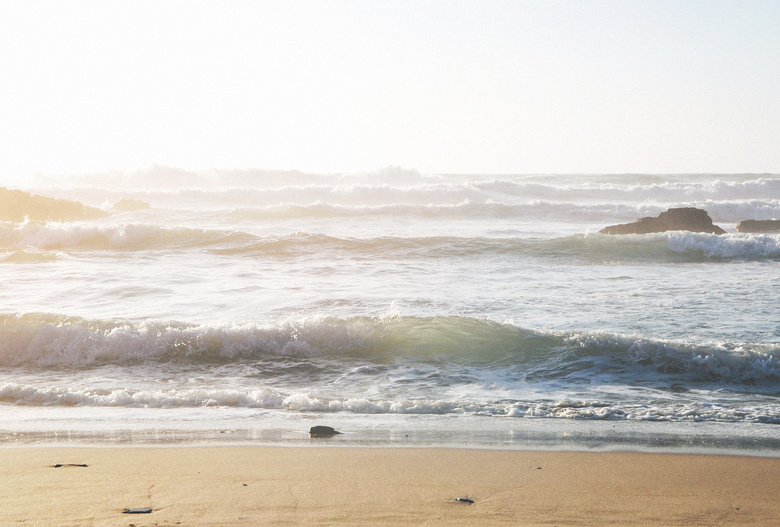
(397, 307)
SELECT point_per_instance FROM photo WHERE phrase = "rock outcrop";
(758, 226)
(16, 205)
(682, 219)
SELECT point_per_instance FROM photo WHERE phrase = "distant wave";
(531, 211)
(51, 236)
(736, 211)
(670, 190)
(678, 246)
(662, 187)
(534, 211)
(313, 343)
(39, 241)
(732, 247)
(394, 185)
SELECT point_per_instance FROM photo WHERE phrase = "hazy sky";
(347, 86)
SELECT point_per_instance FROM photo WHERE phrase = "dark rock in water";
(758, 226)
(322, 431)
(682, 219)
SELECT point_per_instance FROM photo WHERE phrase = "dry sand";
(382, 486)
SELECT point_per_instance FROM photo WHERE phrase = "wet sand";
(249, 485)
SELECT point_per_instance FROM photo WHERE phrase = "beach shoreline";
(323, 485)
(144, 427)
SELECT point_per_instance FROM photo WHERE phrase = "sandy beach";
(248, 485)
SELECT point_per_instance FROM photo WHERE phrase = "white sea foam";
(51, 236)
(736, 211)
(742, 246)
(574, 409)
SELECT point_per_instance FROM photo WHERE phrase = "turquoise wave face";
(399, 365)
(328, 344)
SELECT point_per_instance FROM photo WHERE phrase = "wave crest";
(53, 341)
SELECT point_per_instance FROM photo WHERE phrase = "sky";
(440, 86)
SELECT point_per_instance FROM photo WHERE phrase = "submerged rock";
(758, 226)
(16, 205)
(322, 431)
(681, 219)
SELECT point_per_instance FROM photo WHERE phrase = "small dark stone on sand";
(142, 510)
(322, 431)
(463, 500)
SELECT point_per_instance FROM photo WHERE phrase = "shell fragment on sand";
(138, 510)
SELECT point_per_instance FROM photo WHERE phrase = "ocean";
(244, 306)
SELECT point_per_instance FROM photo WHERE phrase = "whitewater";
(398, 307)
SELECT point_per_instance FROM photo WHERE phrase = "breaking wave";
(33, 242)
(588, 409)
(52, 341)
(54, 236)
(621, 188)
